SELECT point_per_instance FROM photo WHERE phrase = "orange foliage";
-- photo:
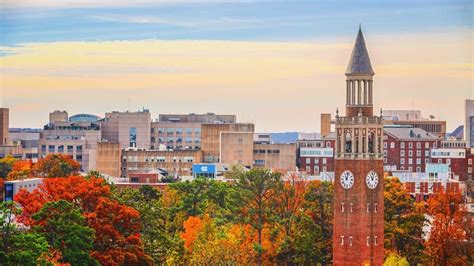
(56, 165)
(20, 170)
(116, 226)
(448, 235)
(192, 227)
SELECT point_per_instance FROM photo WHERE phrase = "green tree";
(403, 226)
(66, 230)
(313, 244)
(256, 190)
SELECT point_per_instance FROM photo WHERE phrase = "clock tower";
(358, 235)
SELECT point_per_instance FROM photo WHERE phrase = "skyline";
(227, 59)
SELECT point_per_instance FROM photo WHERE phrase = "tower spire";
(359, 62)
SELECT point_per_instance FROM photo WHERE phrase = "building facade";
(275, 156)
(4, 126)
(469, 123)
(358, 235)
(129, 129)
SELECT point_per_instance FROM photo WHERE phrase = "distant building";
(84, 118)
(12, 187)
(413, 118)
(108, 159)
(183, 131)
(129, 129)
(275, 156)
(77, 139)
(469, 123)
(28, 139)
(316, 153)
(4, 125)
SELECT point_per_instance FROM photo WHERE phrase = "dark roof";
(360, 61)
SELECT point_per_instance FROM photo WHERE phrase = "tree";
(56, 165)
(6, 165)
(18, 247)
(449, 242)
(404, 221)
(116, 226)
(21, 169)
(256, 191)
(314, 241)
(66, 230)
(395, 260)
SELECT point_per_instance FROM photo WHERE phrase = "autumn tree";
(6, 165)
(256, 190)
(116, 226)
(449, 242)
(404, 221)
(21, 169)
(56, 165)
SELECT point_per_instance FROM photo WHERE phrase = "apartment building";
(129, 129)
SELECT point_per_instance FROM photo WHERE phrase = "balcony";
(356, 120)
(373, 156)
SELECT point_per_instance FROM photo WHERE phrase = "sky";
(278, 64)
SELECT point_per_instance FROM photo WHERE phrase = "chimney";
(325, 124)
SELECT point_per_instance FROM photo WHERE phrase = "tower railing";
(354, 120)
(344, 155)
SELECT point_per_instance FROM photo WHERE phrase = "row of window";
(369, 242)
(316, 169)
(77, 157)
(410, 145)
(266, 151)
(159, 159)
(369, 207)
(188, 130)
(177, 140)
(410, 153)
(316, 160)
(60, 148)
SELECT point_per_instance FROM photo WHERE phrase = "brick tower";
(358, 188)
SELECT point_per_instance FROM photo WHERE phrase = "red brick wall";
(359, 223)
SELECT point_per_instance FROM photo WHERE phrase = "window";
(418, 145)
(448, 161)
(469, 170)
(385, 145)
(427, 145)
(240, 141)
(410, 145)
(385, 160)
(316, 160)
(328, 144)
(418, 161)
(375, 207)
(197, 130)
(375, 240)
(179, 131)
(342, 240)
(418, 153)
(133, 137)
(308, 160)
(351, 206)
(392, 145)
(410, 168)
(469, 161)
(61, 148)
(43, 148)
(368, 241)
(440, 160)
(402, 153)
(402, 145)
(368, 207)
(51, 148)
(410, 161)
(418, 169)
(410, 153)
(385, 153)
(324, 160)
(435, 144)
(316, 169)
(134, 179)
(427, 160)
(427, 153)
(79, 157)
(78, 148)
(402, 161)
(342, 207)
(350, 241)
(308, 169)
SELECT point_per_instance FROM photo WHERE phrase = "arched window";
(348, 143)
(370, 140)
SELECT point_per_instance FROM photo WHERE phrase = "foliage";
(404, 221)
(395, 260)
(6, 165)
(450, 241)
(56, 165)
(116, 226)
(21, 169)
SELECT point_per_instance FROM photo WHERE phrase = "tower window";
(375, 207)
(348, 143)
(375, 240)
(368, 207)
(342, 207)
(351, 206)
(342, 240)
(350, 241)
(368, 241)
(370, 143)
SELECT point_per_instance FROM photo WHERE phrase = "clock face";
(372, 180)
(347, 179)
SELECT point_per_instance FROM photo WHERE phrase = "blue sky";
(252, 20)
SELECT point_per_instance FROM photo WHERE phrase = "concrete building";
(469, 123)
(77, 139)
(28, 139)
(315, 154)
(233, 141)
(183, 131)
(4, 126)
(58, 116)
(108, 160)
(129, 129)
(275, 156)
(12, 187)
(176, 163)
(414, 118)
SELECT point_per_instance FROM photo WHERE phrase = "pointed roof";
(360, 61)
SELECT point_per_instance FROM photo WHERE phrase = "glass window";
(427, 145)
(79, 148)
(392, 145)
(324, 160)
(418, 145)
(197, 130)
(402, 145)
(70, 148)
(79, 157)
(308, 160)
(43, 148)
(410, 145)
(51, 148)
(133, 137)
(189, 130)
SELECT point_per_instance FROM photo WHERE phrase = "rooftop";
(360, 61)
